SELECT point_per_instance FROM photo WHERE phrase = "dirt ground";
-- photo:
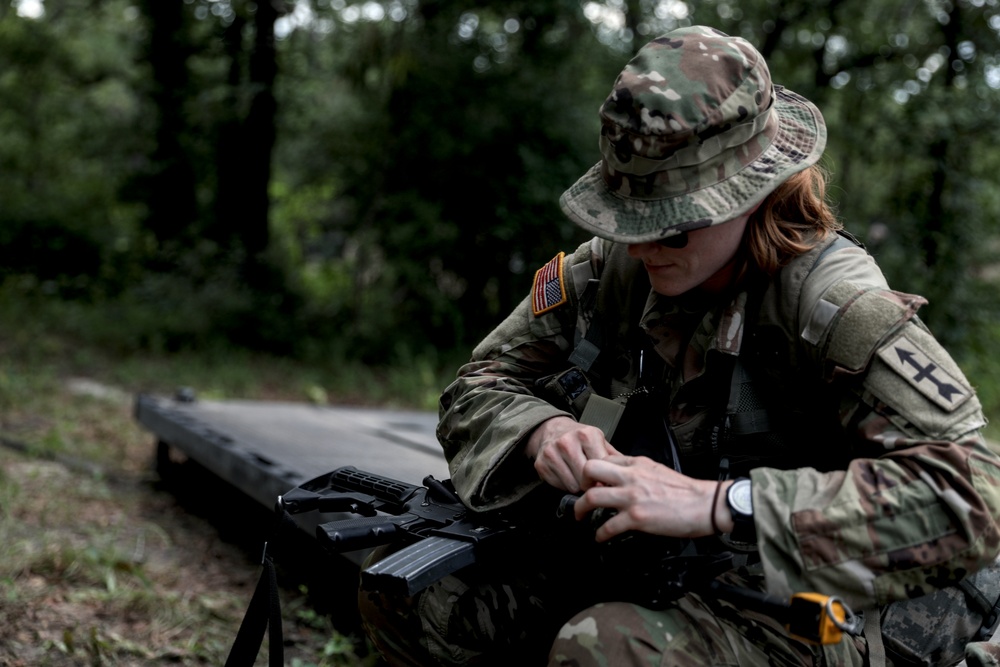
(131, 567)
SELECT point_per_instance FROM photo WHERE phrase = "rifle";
(439, 536)
(438, 533)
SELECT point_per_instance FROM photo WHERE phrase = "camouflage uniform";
(909, 497)
(884, 490)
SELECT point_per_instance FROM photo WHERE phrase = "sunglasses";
(676, 241)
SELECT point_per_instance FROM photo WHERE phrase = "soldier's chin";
(670, 281)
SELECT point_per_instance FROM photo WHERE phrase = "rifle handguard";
(363, 533)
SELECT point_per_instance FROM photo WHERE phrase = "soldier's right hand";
(560, 446)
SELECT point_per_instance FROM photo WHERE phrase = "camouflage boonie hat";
(693, 134)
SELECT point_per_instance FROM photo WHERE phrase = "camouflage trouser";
(525, 609)
(464, 620)
(704, 630)
(693, 631)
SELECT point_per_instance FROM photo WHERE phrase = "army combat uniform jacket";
(880, 487)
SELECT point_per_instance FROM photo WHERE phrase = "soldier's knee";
(391, 623)
(611, 633)
(446, 624)
(459, 620)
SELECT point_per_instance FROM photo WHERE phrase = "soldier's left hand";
(650, 497)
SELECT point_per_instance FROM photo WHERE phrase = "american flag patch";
(549, 290)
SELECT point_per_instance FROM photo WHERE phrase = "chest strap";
(588, 347)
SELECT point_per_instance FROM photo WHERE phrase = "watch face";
(740, 498)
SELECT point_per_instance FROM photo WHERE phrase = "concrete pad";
(265, 448)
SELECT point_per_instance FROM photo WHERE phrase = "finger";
(575, 458)
(598, 497)
(570, 480)
(604, 472)
(583, 506)
(616, 525)
(557, 473)
(596, 447)
(560, 477)
(552, 469)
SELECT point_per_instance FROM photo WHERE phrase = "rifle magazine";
(414, 568)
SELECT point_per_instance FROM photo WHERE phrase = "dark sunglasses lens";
(675, 241)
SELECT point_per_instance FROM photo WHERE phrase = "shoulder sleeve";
(492, 406)
(830, 290)
(919, 509)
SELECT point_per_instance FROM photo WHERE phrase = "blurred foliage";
(420, 149)
(65, 97)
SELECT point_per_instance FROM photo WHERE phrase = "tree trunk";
(225, 228)
(170, 189)
(260, 132)
(939, 222)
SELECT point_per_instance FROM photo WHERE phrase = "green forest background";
(377, 182)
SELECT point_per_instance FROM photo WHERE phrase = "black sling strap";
(263, 613)
(588, 348)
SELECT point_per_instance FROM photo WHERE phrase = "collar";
(721, 323)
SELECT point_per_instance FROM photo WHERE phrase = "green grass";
(97, 566)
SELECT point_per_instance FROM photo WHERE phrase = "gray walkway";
(266, 448)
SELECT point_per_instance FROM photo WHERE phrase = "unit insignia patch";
(909, 361)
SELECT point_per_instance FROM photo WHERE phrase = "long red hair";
(791, 221)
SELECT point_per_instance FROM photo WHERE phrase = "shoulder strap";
(590, 319)
(588, 347)
(746, 413)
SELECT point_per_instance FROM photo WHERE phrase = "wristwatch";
(740, 503)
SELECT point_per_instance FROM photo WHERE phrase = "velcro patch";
(549, 290)
(908, 360)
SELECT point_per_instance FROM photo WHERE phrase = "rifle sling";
(264, 612)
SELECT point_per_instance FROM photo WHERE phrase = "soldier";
(723, 366)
